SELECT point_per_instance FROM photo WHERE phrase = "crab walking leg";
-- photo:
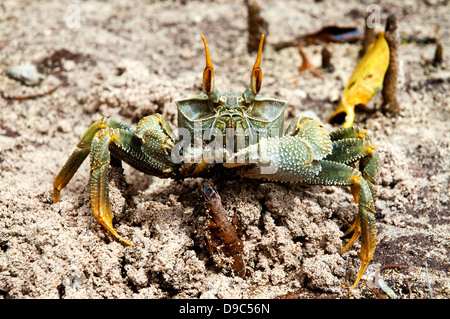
(147, 149)
(100, 159)
(352, 144)
(371, 171)
(127, 146)
(347, 146)
(333, 173)
(291, 158)
(364, 226)
(70, 167)
(80, 153)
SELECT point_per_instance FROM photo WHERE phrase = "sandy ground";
(128, 61)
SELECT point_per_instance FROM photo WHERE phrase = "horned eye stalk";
(255, 78)
(208, 77)
(208, 73)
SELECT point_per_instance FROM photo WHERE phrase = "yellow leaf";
(365, 81)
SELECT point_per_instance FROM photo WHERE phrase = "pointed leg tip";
(123, 240)
(56, 193)
(354, 284)
(120, 238)
(109, 227)
(126, 242)
(362, 270)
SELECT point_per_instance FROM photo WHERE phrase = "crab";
(246, 137)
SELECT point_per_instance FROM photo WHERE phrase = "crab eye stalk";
(256, 78)
(208, 73)
(208, 77)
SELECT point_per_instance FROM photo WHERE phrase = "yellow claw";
(107, 223)
(56, 193)
(356, 229)
(364, 225)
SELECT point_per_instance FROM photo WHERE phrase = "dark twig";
(31, 97)
(326, 60)
(257, 25)
(389, 91)
(392, 266)
(438, 55)
(369, 36)
(306, 64)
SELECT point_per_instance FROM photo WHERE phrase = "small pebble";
(27, 74)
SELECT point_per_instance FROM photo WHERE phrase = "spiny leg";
(100, 160)
(353, 144)
(350, 145)
(333, 173)
(80, 153)
(293, 158)
(148, 150)
(364, 227)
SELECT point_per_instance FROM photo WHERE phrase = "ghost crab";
(306, 152)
